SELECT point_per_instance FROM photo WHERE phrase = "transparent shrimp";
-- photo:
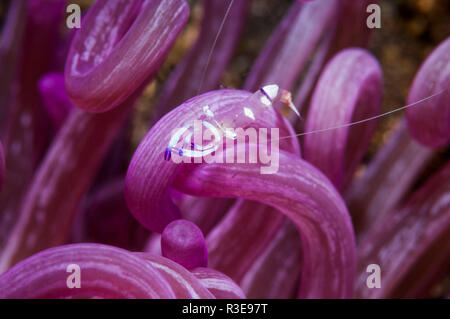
(253, 107)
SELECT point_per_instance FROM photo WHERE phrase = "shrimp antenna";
(202, 79)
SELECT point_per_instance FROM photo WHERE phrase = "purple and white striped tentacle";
(387, 179)
(349, 90)
(98, 77)
(292, 43)
(307, 197)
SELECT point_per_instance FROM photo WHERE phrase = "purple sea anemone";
(280, 185)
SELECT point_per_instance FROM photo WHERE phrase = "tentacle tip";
(183, 242)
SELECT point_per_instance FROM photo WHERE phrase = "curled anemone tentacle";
(430, 123)
(103, 70)
(110, 133)
(2, 166)
(349, 90)
(292, 43)
(61, 180)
